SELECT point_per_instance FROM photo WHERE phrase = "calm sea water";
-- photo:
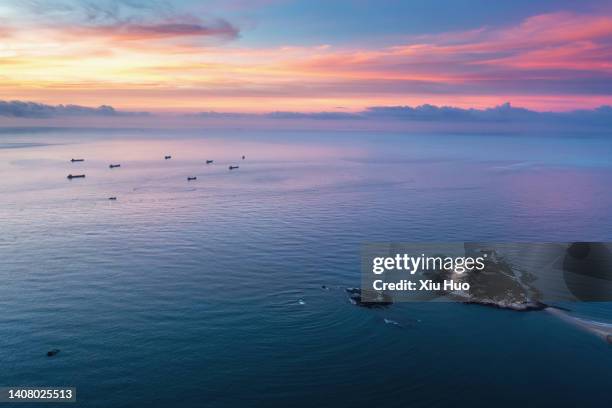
(188, 293)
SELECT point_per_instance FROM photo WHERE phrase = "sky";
(255, 56)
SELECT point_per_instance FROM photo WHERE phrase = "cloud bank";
(504, 118)
(431, 113)
(21, 109)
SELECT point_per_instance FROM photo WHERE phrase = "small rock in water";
(376, 299)
(393, 322)
(53, 352)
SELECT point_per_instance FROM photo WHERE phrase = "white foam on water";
(600, 329)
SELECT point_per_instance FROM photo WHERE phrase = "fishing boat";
(233, 167)
(209, 161)
(112, 166)
(77, 160)
(167, 157)
(71, 176)
(112, 198)
(191, 178)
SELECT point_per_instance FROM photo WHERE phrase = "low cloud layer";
(502, 118)
(21, 109)
(501, 113)
(432, 113)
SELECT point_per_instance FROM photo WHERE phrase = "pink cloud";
(550, 40)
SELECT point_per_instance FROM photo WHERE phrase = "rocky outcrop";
(369, 299)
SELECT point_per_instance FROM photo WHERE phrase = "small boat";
(167, 157)
(77, 160)
(112, 166)
(209, 161)
(53, 352)
(112, 198)
(191, 178)
(233, 167)
(71, 176)
(243, 157)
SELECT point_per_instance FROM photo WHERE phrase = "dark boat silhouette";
(71, 176)
(191, 178)
(209, 161)
(53, 352)
(243, 157)
(112, 166)
(167, 157)
(112, 198)
(233, 167)
(77, 160)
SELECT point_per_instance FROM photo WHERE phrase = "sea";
(229, 290)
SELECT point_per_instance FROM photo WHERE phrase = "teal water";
(188, 293)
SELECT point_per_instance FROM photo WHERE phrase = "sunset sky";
(258, 55)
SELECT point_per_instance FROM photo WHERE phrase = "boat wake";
(600, 329)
